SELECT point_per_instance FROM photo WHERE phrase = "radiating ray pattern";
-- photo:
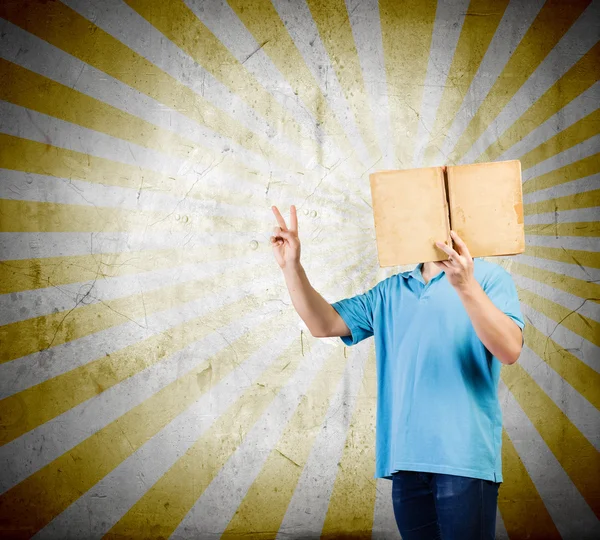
(155, 379)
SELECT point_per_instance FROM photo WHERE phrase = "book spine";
(447, 195)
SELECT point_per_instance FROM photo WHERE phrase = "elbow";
(318, 333)
(514, 354)
(512, 358)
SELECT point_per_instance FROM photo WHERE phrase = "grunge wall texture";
(155, 380)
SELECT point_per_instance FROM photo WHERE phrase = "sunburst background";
(155, 380)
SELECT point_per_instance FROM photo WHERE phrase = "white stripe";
(23, 186)
(21, 122)
(366, 29)
(37, 245)
(580, 347)
(221, 20)
(562, 298)
(37, 367)
(501, 532)
(568, 509)
(563, 216)
(298, 21)
(27, 454)
(156, 456)
(583, 150)
(97, 510)
(307, 509)
(211, 513)
(561, 268)
(584, 243)
(577, 41)
(28, 304)
(24, 305)
(514, 24)
(25, 123)
(127, 26)
(575, 407)
(449, 19)
(563, 190)
(39, 56)
(384, 521)
(584, 104)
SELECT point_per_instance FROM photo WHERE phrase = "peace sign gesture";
(285, 242)
(459, 266)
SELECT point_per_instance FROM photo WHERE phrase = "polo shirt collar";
(416, 273)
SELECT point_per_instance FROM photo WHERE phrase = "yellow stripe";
(580, 131)
(578, 374)
(570, 256)
(406, 29)
(579, 459)
(34, 406)
(26, 274)
(575, 81)
(263, 22)
(54, 396)
(335, 31)
(33, 216)
(34, 157)
(530, 520)
(86, 41)
(568, 173)
(160, 510)
(550, 25)
(39, 158)
(352, 503)
(30, 90)
(576, 201)
(30, 505)
(577, 287)
(480, 25)
(576, 228)
(166, 503)
(579, 324)
(38, 333)
(180, 24)
(267, 500)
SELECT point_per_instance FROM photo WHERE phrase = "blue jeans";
(430, 506)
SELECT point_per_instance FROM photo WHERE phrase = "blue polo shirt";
(437, 384)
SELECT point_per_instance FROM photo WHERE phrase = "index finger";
(446, 249)
(464, 250)
(279, 218)
(293, 219)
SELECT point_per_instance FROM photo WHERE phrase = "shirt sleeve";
(357, 312)
(502, 292)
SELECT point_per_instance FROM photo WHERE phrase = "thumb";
(289, 236)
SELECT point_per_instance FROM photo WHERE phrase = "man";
(442, 332)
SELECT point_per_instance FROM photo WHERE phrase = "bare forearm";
(497, 331)
(313, 309)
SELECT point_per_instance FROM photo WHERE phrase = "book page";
(486, 207)
(411, 213)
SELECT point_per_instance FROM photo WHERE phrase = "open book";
(414, 208)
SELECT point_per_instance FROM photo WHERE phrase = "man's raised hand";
(285, 241)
